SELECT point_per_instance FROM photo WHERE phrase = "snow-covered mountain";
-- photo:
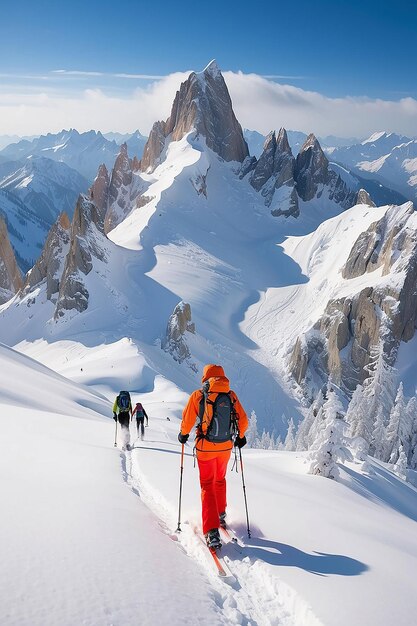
(387, 157)
(46, 187)
(83, 152)
(33, 193)
(135, 142)
(167, 248)
(200, 253)
(256, 141)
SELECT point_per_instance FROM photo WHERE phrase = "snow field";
(77, 547)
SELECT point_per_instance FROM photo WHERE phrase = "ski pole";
(244, 491)
(179, 503)
(115, 436)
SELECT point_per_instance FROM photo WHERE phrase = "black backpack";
(222, 426)
(123, 401)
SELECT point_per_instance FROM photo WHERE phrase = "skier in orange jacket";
(221, 416)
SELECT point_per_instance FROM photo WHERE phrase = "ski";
(220, 566)
(222, 569)
(231, 538)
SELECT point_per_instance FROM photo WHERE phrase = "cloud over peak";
(260, 104)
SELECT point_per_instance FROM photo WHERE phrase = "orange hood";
(212, 371)
(217, 380)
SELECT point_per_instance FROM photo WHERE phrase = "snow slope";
(242, 271)
(88, 538)
(77, 546)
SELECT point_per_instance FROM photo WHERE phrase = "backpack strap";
(202, 409)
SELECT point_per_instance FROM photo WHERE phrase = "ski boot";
(213, 539)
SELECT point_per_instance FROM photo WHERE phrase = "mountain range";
(388, 158)
(83, 152)
(154, 218)
(280, 268)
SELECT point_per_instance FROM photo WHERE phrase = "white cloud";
(263, 105)
(259, 104)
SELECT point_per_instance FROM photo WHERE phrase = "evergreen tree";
(359, 417)
(289, 443)
(304, 427)
(379, 435)
(330, 447)
(265, 440)
(412, 417)
(399, 429)
(400, 468)
(278, 444)
(252, 436)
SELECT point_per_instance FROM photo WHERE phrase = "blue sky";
(339, 49)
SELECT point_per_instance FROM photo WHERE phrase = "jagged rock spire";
(10, 276)
(311, 168)
(86, 241)
(50, 264)
(118, 195)
(202, 104)
(99, 191)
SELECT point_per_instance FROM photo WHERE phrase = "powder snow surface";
(87, 535)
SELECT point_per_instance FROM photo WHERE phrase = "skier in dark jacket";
(122, 410)
(140, 413)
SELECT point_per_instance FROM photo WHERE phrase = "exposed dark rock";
(178, 325)
(203, 105)
(386, 311)
(86, 242)
(119, 190)
(99, 191)
(50, 264)
(363, 197)
(10, 277)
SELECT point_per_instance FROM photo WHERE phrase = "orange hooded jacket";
(218, 383)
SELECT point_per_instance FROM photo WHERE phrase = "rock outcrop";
(10, 277)
(119, 196)
(203, 105)
(87, 241)
(275, 171)
(363, 197)
(341, 340)
(283, 180)
(49, 266)
(179, 324)
(154, 147)
(99, 191)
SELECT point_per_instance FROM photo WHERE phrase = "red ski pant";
(213, 488)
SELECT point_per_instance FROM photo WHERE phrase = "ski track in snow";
(255, 598)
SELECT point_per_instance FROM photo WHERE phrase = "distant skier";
(140, 413)
(122, 410)
(222, 423)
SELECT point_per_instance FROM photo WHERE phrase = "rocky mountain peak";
(87, 241)
(50, 264)
(212, 69)
(282, 141)
(10, 276)
(311, 168)
(99, 191)
(202, 104)
(118, 194)
(275, 171)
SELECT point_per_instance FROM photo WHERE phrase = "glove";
(115, 417)
(182, 438)
(240, 442)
